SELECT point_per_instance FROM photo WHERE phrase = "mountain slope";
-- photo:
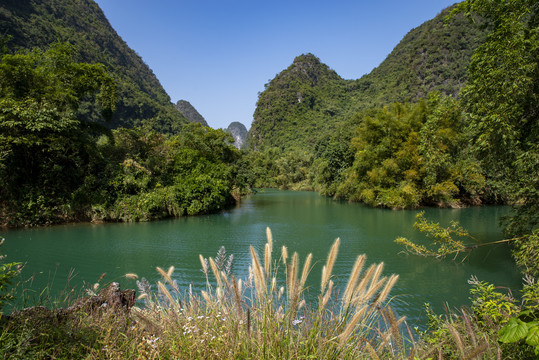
(37, 23)
(432, 57)
(190, 113)
(307, 101)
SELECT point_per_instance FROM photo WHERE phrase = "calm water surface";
(303, 221)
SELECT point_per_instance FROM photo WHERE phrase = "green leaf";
(513, 331)
(533, 334)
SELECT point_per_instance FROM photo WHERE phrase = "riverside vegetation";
(444, 136)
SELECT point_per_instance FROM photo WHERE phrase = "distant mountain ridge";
(190, 113)
(307, 101)
(38, 23)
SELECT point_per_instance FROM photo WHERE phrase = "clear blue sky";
(218, 54)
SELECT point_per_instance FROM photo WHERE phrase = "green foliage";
(526, 253)
(155, 176)
(55, 167)
(408, 155)
(300, 104)
(445, 241)
(501, 101)
(8, 271)
(524, 327)
(497, 327)
(45, 150)
(489, 305)
(501, 104)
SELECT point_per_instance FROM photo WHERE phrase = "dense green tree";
(45, 150)
(155, 176)
(501, 103)
(408, 155)
(450, 169)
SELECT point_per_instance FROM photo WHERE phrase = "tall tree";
(45, 149)
(501, 101)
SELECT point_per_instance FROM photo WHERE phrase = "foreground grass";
(260, 318)
(253, 318)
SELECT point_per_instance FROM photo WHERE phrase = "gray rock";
(239, 132)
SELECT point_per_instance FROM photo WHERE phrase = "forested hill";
(38, 23)
(431, 57)
(307, 101)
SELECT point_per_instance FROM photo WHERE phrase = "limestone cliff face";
(189, 111)
(239, 132)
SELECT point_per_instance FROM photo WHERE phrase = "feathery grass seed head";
(131, 276)
(330, 262)
(269, 236)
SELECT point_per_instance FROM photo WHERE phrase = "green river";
(63, 257)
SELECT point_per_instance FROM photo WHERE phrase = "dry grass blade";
(203, 263)
(324, 271)
(373, 289)
(458, 340)
(329, 265)
(170, 271)
(216, 272)
(269, 236)
(131, 276)
(206, 297)
(372, 352)
(478, 350)
(385, 292)
(260, 281)
(292, 276)
(305, 272)
(237, 295)
(326, 297)
(377, 273)
(352, 282)
(149, 323)
(267, 259)
(163, 289)
(469, 329)
(394, 326)
(164, 274)
(345, 335)
(358, 298)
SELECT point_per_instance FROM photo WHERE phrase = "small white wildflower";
(296, 322)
